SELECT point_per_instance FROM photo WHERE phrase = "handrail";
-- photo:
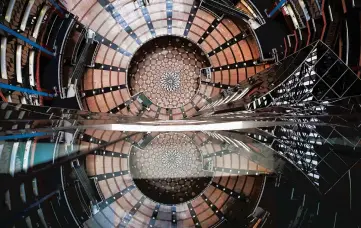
(84, 180)
(60, 59)
(259, 15)
(38, 22)
(26, 155)
(296, 12)
(218, 223)
(92, 62)
(210, 12)
(14, 151)
(9, 10)
(77, 46)
(26, 15)
(4, 73)
(51, 29)
(31, 68)
(226, 9)
(19, 75)
(80, 66)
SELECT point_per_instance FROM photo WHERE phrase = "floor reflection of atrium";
(170, 169)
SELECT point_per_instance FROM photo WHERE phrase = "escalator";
(80, 66)
(227, 8)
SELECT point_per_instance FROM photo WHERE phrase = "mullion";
(98, 91)
(214, 208)
(209, 30)
(102, 40)
(115, 197)
(109, 7)
(228, 43)
(129, 216)
(174, 217)
(194, 215)
(232, 66)
(154, 216)
(169, 8)
(237, 171)
(216, 85)
(191, 17)
(101, 66)
(234, 194)
(147, 17)
(107, 176)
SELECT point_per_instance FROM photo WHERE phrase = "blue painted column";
(56, 5)
(25, 90)
(278, 6)
(22, 136)
(26, 40)
(36, 204)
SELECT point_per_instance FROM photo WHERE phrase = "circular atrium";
(180, 113)
(167, 71)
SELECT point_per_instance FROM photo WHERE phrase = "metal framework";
(305, 110)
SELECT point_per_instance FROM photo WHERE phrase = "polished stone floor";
(170, 169)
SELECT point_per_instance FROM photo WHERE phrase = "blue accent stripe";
(22, 136)
(154, 216)
(191, 17)
(25, 90)
(279, 5)
(147, 18)
(56, 5)
(174, 217)
(26, 40)
(109, 7)
(169, 6)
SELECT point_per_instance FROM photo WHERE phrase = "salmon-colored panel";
(245, 49)
(105, 78)
(222, 58)
(101, 103)
(229, 55)
(205, 16)
(241, 74)
(88, 79)
(234, 77)
(97, 79)
(217, 76)
(251, 71)
(237, 53)
(231, 26)
(110, 100)
(92, 104)
(225, 77)
(224, 31)
(214, 61)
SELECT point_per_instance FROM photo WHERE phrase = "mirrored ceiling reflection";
(182, 171)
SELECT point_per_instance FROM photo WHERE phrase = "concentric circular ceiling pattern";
(159, 50)
(169, 170)
(167, 70)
